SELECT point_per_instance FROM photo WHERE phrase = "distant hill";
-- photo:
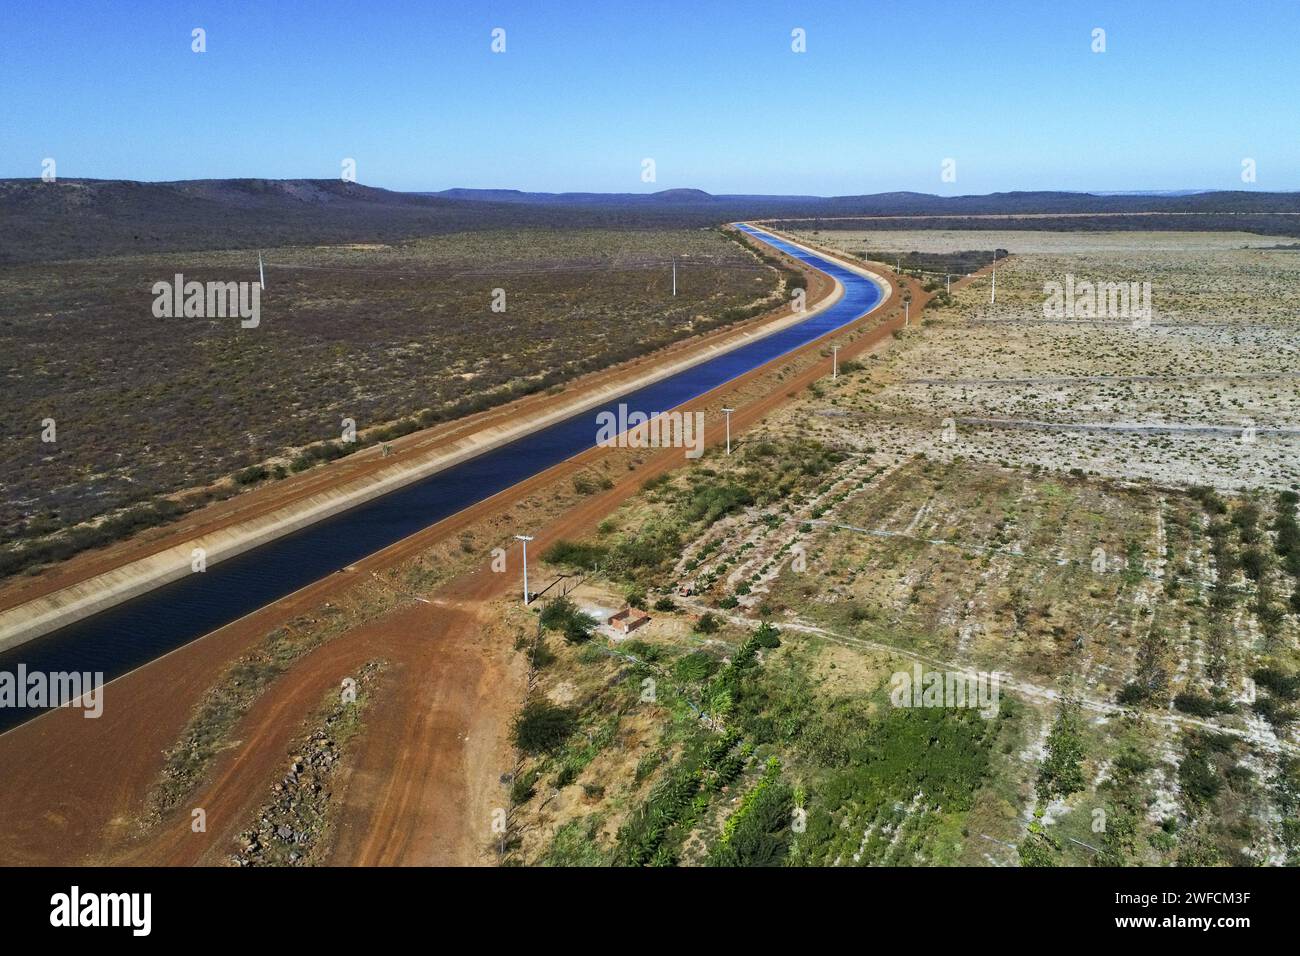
(576, 199)
(74, 218)
(80, 218)
(919, 204)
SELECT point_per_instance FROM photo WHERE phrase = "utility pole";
(525, 539)
(674, 276)
(907, 312)
(261, 273)
(947, 289)
(993, 292)
(727, 412)
(835, 362)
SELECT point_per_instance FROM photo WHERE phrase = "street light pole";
(727, 412)
(835, 362)
(525, 539)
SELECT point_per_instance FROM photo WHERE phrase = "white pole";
(674, 277)
(525, 539)
(947, 288)
(993, 293)
(907, 314)
(835, 362)
(727, 412)
(261, 274)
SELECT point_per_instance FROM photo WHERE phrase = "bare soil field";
(1203, 391)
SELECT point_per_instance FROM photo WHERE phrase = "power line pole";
(261, 274)
(525, 539)
(727, 412)
(835, 362)
(674, 277)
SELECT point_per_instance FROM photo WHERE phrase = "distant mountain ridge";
(903, 203)
(519, 196)
(80, 218)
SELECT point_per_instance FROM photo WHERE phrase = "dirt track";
(425, 771)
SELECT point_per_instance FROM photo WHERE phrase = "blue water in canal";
(124, 637)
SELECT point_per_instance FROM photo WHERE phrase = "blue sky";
(710, 90)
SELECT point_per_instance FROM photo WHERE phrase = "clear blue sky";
(710, 89)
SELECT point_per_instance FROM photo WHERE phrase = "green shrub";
(542, 727)
(575, 555)
(251, 475)
(697, 666)
(1195, 705)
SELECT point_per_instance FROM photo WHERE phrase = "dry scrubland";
(1145, 634)
(1170, 403)
(146, 407)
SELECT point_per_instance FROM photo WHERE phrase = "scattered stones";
(291, 826)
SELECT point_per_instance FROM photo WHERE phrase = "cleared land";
(1205, 392)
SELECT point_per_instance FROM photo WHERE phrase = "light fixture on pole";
(727, 412)
(525, 539)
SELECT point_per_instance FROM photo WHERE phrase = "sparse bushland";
(158, 416)
(982, 532)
